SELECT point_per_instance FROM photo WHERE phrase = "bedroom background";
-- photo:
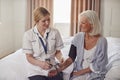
(13, 22)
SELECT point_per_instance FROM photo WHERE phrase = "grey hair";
(94, 20)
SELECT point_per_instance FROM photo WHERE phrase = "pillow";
(113, 46)
(113, 73)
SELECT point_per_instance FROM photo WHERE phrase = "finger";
(50, 75)
(46, 67)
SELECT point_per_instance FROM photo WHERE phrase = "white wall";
(19, 11)
(12, 27)
(110, 10)
(13, 14)
(6, 28)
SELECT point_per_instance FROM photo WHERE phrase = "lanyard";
(44, 46)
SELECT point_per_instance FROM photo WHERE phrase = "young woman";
(42, 44)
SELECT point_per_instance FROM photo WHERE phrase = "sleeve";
(74, 41)
(99, 63)
(72, 52)
(59, 42)
(79, 38)
(27, 45)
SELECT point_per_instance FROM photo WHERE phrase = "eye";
(48, 20)
(43, 20)
(82, 22)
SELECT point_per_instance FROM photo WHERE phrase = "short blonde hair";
(39, 13)
(94, 20)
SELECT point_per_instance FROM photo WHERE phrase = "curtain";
(31, 5)
(77, 6)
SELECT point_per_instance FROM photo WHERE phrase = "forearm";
(61, 67)
(86, 70)
(59, 56)
(32, 60)
(83, 71)
(64, 65)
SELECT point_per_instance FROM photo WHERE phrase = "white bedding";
(13, 66)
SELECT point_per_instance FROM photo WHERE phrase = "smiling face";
(85, 26)
(41, 18)
(44, 22)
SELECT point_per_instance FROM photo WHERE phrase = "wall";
(13, 14)
(6, 28)
(110, 10)
(19, 9)
(12, 27)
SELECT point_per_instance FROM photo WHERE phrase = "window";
(61, 16)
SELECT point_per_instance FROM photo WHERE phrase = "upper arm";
(27, 44)
(72, 52)
(100, 61)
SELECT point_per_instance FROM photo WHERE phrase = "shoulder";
(103, 40)
(29, 33)
(78, 38)
(54, 31)
(79, 35)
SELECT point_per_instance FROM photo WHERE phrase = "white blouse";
(88, 56)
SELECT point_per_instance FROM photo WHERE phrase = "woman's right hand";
(45, 65)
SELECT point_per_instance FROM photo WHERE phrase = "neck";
(41, 31)
(87, 36)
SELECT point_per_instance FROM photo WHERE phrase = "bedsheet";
(13, 66)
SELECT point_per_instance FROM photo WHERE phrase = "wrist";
(59, 70)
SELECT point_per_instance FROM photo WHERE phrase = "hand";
(78, 73)
(62, 60)
(52, 73)
(82, 72)
(74, 73)
(45, 65)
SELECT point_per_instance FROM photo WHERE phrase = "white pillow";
(113, 73)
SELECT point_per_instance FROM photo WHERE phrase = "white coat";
(32, 45)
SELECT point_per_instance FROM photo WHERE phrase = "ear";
(79, 27)
(91, 28)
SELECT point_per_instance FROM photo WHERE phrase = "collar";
(35, 30)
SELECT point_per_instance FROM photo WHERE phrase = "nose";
(47, 22)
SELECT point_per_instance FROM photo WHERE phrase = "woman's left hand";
(82, 72)
(77, 73)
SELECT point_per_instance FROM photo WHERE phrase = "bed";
(13, 66)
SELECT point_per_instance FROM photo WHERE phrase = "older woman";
(88, 50)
